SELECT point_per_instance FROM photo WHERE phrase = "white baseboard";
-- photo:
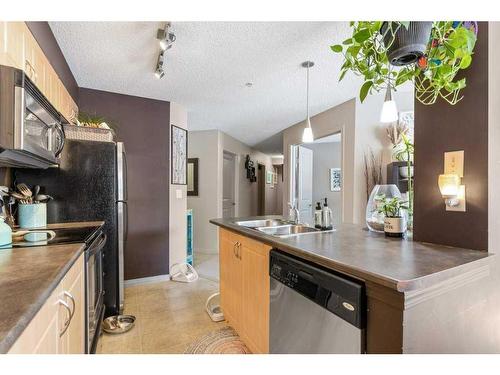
(147, 280)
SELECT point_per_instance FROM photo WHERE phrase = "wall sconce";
(450, 184)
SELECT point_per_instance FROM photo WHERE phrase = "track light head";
(159, 73)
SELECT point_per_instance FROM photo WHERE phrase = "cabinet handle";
(239, 250)
(66, 323)
(68, 294)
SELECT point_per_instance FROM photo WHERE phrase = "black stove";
(60, 236)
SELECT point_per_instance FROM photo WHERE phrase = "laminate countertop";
(28, 275)
(403, 265)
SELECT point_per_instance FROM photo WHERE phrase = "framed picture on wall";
(178, 160)
(192, 177)
(269, 177)
(335, 179)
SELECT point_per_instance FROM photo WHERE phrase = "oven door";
(94, 290)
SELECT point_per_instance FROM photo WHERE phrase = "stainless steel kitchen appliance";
(31, 133)
(122, 211)
(313, 310)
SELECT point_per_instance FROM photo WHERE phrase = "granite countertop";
(28, 275)
(403, 265)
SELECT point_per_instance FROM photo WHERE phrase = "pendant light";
(307, 136)
(389, 109)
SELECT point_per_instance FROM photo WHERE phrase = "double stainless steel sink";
(279, 227)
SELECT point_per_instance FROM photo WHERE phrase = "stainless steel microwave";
(31, 132)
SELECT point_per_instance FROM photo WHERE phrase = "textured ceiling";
(208, 66)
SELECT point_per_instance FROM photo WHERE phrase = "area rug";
(221, 341)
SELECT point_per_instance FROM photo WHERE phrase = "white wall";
(178, 201)
(208, 146)
(326, 156)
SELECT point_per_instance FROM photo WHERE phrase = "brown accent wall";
(45, 38)
(143, 125)
(440, 128)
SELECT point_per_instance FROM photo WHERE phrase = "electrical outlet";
(454, 163)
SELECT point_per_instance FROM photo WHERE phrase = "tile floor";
(170, 316)
(207, 265)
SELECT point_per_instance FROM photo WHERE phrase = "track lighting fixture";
(166, 38)
(159, 73)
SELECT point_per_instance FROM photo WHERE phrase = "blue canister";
(33, 216)
(5, 233)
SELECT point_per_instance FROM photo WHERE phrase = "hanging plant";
(449, 49)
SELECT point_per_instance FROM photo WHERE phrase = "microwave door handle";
(59, 128)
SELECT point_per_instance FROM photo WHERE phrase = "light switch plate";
(178, 193)
(454, 163)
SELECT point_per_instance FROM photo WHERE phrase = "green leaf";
(364, 90)
(465, 62)
(336, 48)
(347, 41)
(342, 75)
(362, 35)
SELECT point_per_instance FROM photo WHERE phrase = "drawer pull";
(68, 294)
(68, 321)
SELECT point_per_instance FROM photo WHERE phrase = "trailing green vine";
(450, 49)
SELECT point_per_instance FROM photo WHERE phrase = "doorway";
(316, 170)
(228, 185)
(261, 189)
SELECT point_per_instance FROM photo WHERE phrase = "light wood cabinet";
(59, 326)
(19, 48)
(244, 288)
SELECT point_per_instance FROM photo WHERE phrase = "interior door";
(304, 185)
(228, 188)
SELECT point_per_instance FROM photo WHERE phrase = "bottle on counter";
(317, 216)
(326, 216)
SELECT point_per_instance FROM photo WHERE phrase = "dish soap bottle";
(317, 216)
(326, 217)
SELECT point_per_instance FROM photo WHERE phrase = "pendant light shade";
(389, 109)
(307, 135)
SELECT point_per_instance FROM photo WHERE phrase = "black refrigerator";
(90, 184)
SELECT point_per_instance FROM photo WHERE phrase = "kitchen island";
(408, 284)
(28, 278)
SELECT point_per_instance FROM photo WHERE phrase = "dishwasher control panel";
(340, 295)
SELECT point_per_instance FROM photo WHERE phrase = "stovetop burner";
(62, 236)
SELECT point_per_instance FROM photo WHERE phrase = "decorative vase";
(394, 226)
(409, 43)
(375, 220)
(403, 171)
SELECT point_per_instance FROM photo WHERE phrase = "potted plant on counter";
(395, 220)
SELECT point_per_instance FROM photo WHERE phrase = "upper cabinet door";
(13, 51)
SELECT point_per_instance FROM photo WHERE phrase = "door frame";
(235, 183)
(261, 191)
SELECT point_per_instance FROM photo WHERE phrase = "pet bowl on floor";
(118, 324)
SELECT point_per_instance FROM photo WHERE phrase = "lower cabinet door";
(76, 329)
(256, 297)
(230, 282)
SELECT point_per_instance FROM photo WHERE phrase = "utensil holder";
(32, 215)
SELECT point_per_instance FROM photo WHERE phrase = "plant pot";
(408, 44)
(403, 172)
(394, 226)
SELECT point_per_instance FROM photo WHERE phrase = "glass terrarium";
(374, 218)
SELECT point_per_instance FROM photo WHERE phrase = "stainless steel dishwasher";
(314, 310)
